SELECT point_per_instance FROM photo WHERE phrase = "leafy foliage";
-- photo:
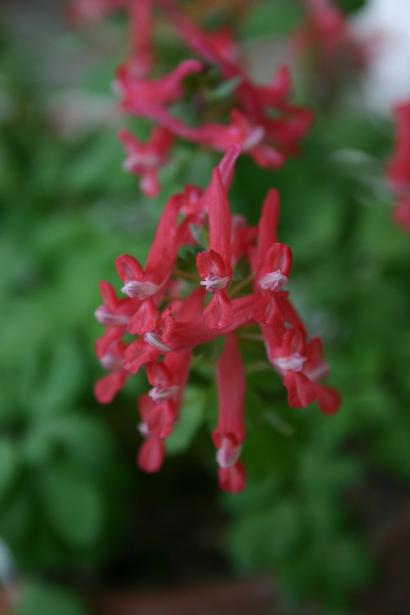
(67, 211)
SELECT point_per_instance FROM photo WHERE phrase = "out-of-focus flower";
(141, 26)
(327, 40)
(145, 159)
(398, 167)
(260, 119)
(383, 26)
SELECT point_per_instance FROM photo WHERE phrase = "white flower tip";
(227, 455)
(214, 284)
(293, 362)
(273, 281)
(154, 340)
(144, 429)
(159, 393)
(136, 289)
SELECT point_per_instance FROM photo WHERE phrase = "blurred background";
(323, 527)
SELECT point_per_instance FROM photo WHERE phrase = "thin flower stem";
(186, 275)
(254, 337)
(241, 285)
(258, 367)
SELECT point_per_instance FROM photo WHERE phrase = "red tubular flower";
(326, 36)
(145, 159)
(141, 25)
(142, 96)
(398, 168)
(112, 359)
(165, 310)
(151, 455)
(114, 311)
(230, 431)
(143, 284)
(215, 265)
(159, 409)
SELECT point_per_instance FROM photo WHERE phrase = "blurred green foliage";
(67, 211)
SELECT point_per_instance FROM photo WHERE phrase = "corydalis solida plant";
(172, 312)
(166, 313)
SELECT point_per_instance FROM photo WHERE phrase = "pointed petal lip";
(143, 283)
(275, 268)
(220, 220)
(144, 319)
(267, 228)
(128, 268)
(164, 248)
(138, 353)
(151, 455)
(106, 388)
(142, 93)
(232, 480)
(218, 314)
(301, 391)
(108, 295)
(328, 399)
(227, 165)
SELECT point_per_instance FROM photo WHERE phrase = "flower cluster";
(398, 168)
(171, 312)
(260, 118)
(328, 40)
(234, 281)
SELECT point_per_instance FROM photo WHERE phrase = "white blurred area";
(385, 26)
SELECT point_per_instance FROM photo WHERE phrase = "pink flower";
(335, 50)
(111, 357)
(145, 159)
(267, 140)
(398, 167)
(159, 409)
(141, 26)
(114, 311)
(141, 35)
(215, 265)
(167, 312)
(149, 282)
(138, 95)
(230, 430)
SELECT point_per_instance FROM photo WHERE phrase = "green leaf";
(223, 90)
(192, 416)
(269, 17)
(41, 599)
(9, 462)
(63, 380)
(73, 504)
(16, 515)
(82, 437)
